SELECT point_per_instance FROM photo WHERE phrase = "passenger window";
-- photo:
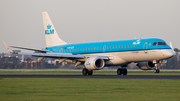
(128, 45)
(86, 48)
(125, 46)
(101, 48)
(78, 49)
(104, 47)
(75, 49)
(154, 44)
(116, 46)
(94, 48)
(89, 48)
(83, 48)
(131, 45)
(113, 46)
(107, 47)
(98, 48)
(122, 46)
(119, 46)
(134, 45)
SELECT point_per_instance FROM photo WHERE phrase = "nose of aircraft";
(168, 53)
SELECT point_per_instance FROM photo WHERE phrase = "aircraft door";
(145, 47)
(104, 48)
(61, 50)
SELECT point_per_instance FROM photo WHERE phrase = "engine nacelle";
(148, 65)
(94, 63)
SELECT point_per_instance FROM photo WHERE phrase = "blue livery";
(110, 46)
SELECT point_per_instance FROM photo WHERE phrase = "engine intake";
(148, 65)
(94, 63)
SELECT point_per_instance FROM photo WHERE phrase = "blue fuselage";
(111, 46)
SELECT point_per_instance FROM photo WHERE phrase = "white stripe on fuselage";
(136, 56)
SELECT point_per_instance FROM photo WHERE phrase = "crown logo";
(49, 26)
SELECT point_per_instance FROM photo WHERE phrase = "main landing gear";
(122, 71)
(87, 72)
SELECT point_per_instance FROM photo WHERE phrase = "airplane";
(146, 52)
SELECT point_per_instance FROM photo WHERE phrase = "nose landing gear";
(156, 70)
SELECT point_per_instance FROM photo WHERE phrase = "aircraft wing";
(32, 49)
(54, 55)
(44, 54)
(62, 55)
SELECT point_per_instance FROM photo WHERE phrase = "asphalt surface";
(96, 76)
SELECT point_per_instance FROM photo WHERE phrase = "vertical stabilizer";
(51, 36)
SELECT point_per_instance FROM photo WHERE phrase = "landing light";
(110, 58)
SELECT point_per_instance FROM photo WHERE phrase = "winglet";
(10, 51)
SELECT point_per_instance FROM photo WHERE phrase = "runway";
(96, 76)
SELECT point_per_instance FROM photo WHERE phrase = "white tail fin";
(52, 38)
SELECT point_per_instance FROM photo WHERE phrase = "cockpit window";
(154, 44)
(161, 43)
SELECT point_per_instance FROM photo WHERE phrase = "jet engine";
(148, 65)
(94, 64)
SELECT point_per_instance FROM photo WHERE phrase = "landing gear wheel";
(119, 71)
(156, 71)
(84, 71)
(124, 71)
(90, 72)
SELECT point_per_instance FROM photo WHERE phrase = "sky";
(88, 20)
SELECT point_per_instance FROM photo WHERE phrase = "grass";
(79, 72)
(52, 89)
